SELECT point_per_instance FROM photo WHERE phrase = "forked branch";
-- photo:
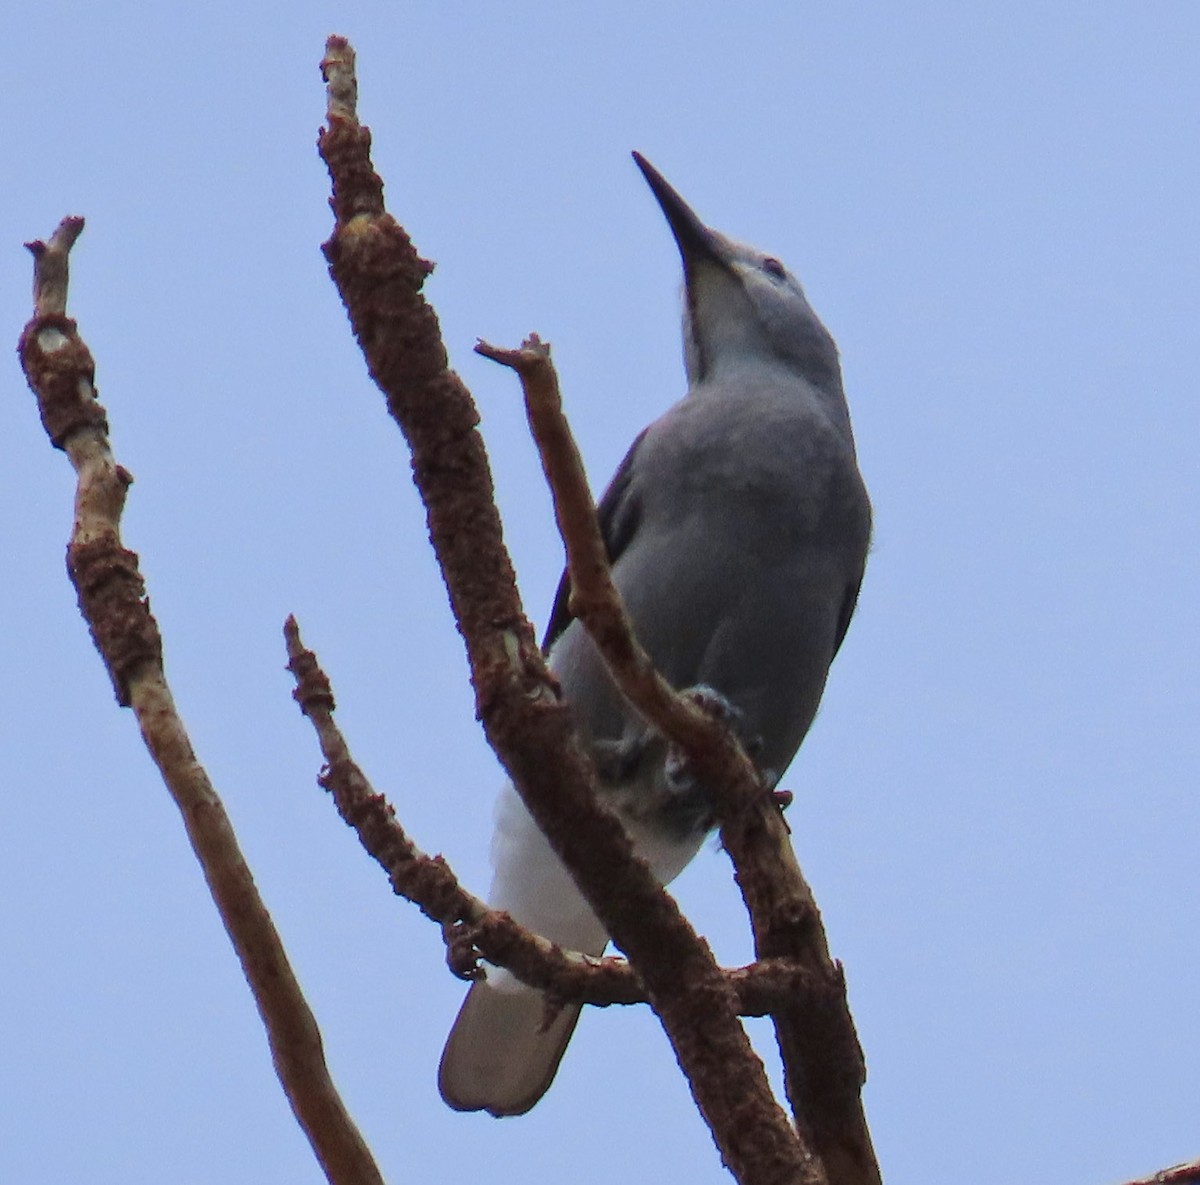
(822, 1060)
(379, 276)
(470, 928)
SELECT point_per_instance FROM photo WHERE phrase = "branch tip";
(63, 238)
(291, 635)
(313, 690)
(341, 81)
(50, 269)
(532, 354)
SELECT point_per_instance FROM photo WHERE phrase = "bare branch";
(379, 276)
(824, 1065)
(1179, 1174)
(111, 593)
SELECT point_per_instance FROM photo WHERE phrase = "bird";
(737, 527)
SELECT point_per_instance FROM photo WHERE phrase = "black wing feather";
(849, 603)
(619, 513)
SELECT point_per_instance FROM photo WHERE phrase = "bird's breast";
(765, 465)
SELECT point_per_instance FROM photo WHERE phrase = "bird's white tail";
(505, 1046)
(504, 1049)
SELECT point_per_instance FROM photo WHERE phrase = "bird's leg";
(646, 778)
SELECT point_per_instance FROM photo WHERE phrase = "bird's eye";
(774, 268)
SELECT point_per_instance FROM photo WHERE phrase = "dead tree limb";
(818, 1044)
(112, 598)
(379, 275)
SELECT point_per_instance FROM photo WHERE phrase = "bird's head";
(741, 306)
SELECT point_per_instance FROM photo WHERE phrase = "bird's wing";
(619, 512)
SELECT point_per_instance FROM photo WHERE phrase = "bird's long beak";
(695, 240)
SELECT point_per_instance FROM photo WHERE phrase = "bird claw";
(710, 700)
(714, 704)
(679, 778)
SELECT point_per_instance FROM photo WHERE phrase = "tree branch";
(379, 276)
(1179, 1174)
(60, 371)
(822, 1059)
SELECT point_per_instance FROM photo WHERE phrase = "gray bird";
(738, 527)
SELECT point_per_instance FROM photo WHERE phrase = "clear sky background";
(994, 209)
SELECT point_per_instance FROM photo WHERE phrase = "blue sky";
(994, 210)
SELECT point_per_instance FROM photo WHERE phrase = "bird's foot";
(683, 782)
(714, 704)
(694, 798)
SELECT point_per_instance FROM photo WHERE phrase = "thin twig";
(112, 598)
(379, 276)
(822, 1059)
